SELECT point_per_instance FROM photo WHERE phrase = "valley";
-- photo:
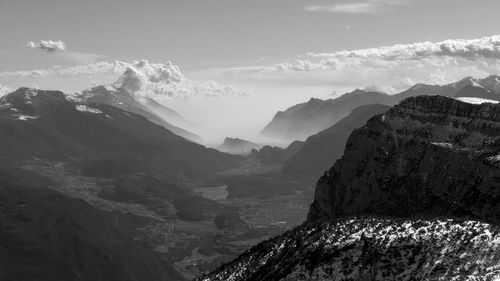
(192, 246)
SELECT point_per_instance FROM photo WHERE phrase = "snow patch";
(443, 144)
(473, 100)
(84, 108)
(26, 117)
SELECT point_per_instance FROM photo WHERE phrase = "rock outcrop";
(427, 156)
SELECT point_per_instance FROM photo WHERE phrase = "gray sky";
(280, 52)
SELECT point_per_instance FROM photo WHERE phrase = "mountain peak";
(400, 156)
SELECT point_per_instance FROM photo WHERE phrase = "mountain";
(152, 110)
(490, 84)
(414, 197)
(238, 146)
(303, 120)
(306, 119)
(103, 139)
(276, 155)
(321, 150)
(427, 155)
(372, 249)
(48, 236)
(471, 91)
(171, 116)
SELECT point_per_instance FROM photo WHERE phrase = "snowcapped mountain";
(103, 139)
(126, 100)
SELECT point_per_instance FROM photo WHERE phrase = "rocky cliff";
(428, 155)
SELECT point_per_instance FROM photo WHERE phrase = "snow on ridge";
(84, 108)
(26, 117)
(473, 100)
(443, 144)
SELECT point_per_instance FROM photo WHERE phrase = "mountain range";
(303, 120)
(416, 196)
(147, 107)
(106, 140)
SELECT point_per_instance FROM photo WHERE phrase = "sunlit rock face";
(426, 156)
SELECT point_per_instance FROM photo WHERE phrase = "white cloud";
(160, 81)
(165, 81)
(84, 69)
(48, 45)
(390, 68)
(356, 6)
(4, 90)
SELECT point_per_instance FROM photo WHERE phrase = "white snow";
(26, 117)
(84, 108)
(443, 144)
(473, 100)
(494, 159)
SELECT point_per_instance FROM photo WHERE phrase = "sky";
(242, 60)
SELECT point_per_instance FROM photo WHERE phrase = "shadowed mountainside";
(45, 235)
(320, 151)
(107, 141)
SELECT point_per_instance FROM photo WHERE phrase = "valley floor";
(195, 246)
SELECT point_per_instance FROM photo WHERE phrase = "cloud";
(78, 70)
(48, 45)
(389, 68)
(165, 81)
(357, 6)
(4, 90)
(437, 53)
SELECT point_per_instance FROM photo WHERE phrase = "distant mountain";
(48, 236)
(490, 84)
(152, 110)
(276, 155)
(237, 146)
(170, 115)
(106, 140)
(303, 120)
(321, 150)
(306, 119)
(472, 91)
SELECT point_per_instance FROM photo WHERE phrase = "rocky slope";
(373, 249)
(427, 155)
(321, 150)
